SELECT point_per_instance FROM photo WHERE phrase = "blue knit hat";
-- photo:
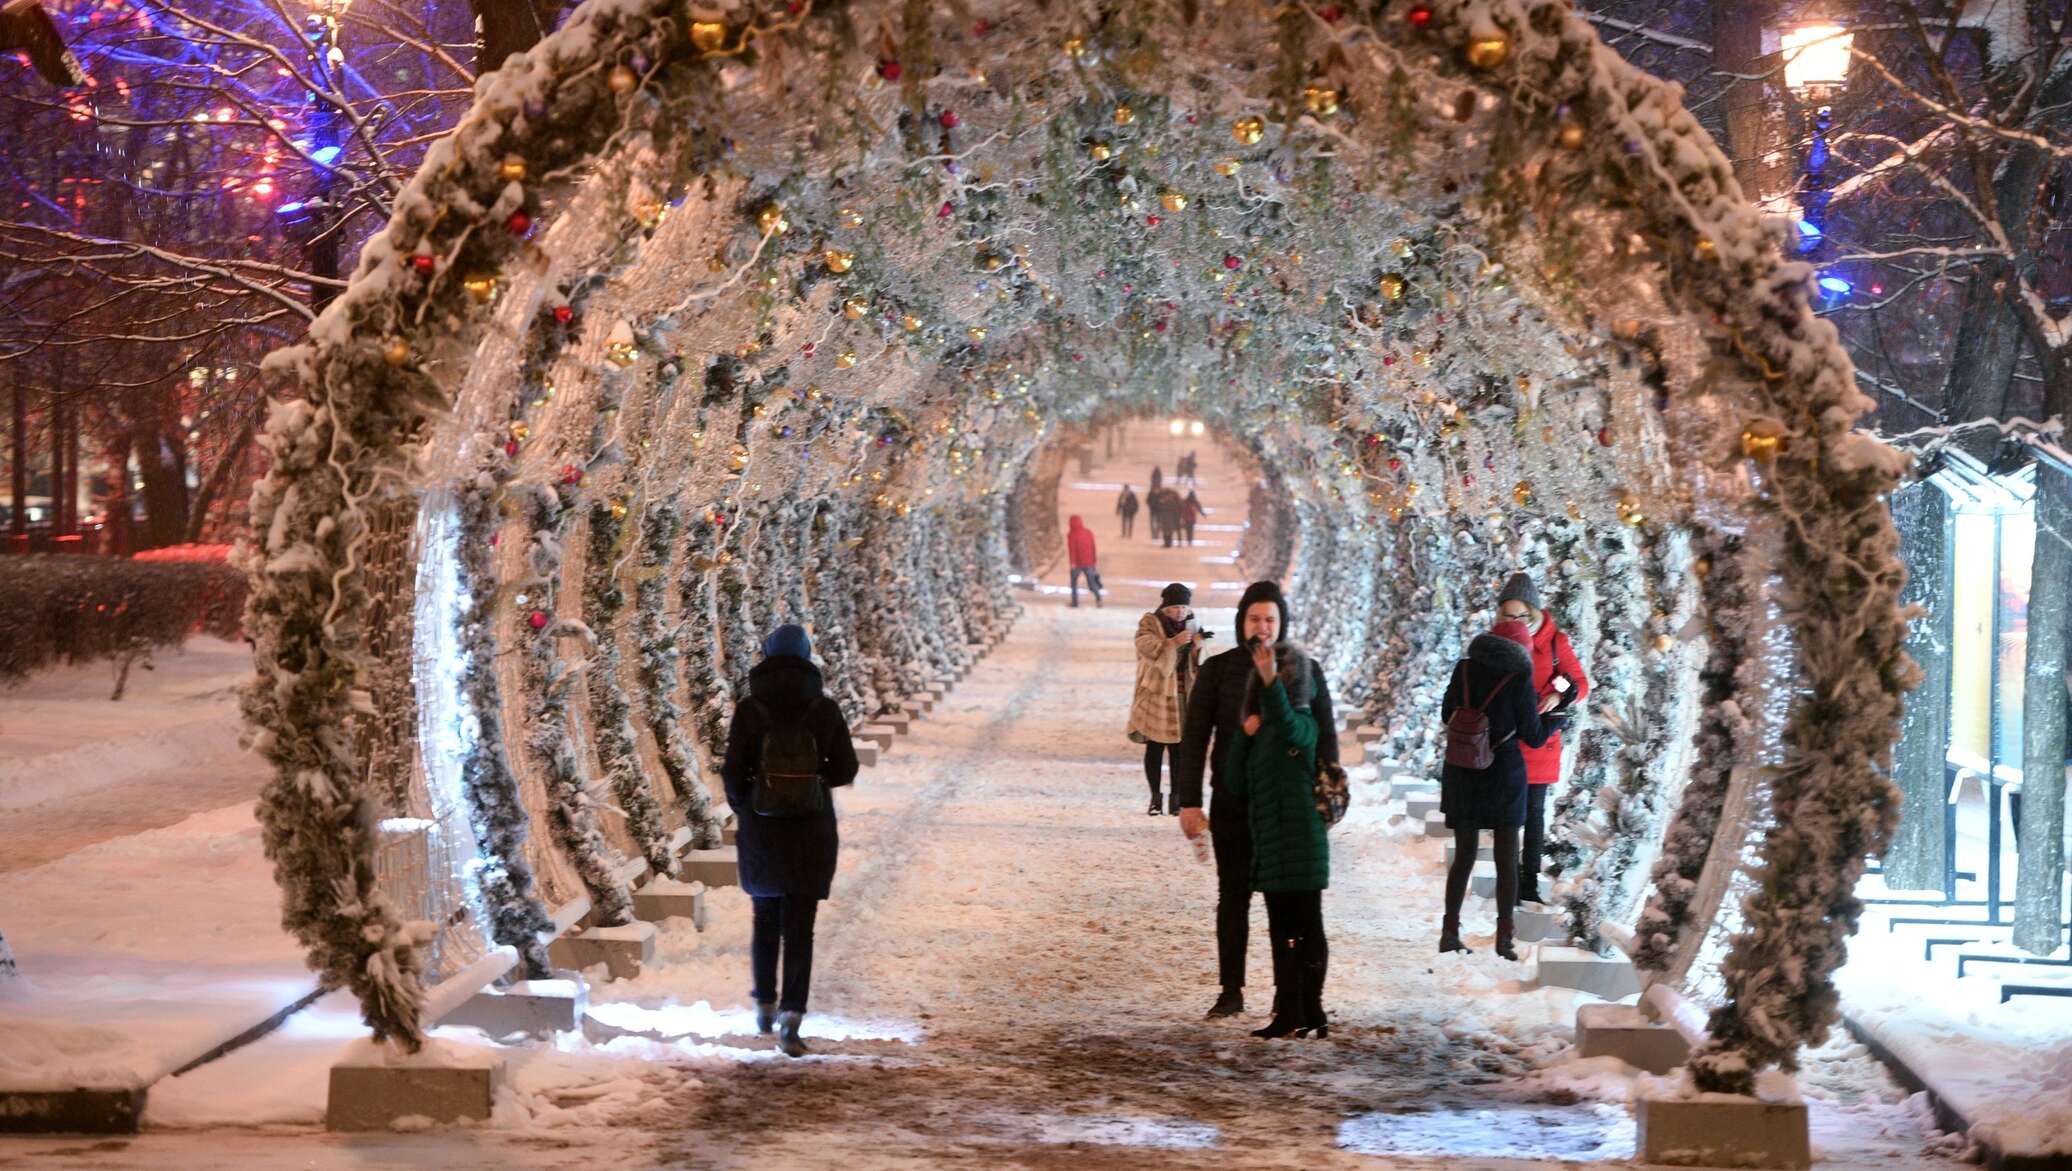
(788, 639)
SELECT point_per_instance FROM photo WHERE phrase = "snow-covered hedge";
(56, 608)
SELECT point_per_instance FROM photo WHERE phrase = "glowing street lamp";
(1196, 427)
(1816, 67)
(1177, 426)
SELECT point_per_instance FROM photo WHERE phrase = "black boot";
(1287, 991)
(1504, 938)
(1449, 935)
(1157, 806)
(788, 1034)
(765, 1016)
(1230, 1003)
(1314, 1021)
(1173, 805)
(1529, 895)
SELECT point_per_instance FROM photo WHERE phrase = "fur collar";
(1498, 653)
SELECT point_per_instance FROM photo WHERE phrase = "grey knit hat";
(1520, 589)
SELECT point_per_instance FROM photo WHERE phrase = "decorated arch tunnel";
(706, 316)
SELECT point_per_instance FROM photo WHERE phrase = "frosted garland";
(495, 808)
(740, 644)
(657, 636)
(833, 593)
(1720, 747)
(550, 682)
(709, 696)
(611, 708)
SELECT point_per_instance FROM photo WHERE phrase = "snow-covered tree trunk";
(1918, 859)
(2039, 903)
(709, 697)
(659, 677)
(611, 708)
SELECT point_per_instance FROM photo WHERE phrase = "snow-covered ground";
(1011, 972)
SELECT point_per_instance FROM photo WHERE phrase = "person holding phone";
(1168, 657)
(1558, 680)
(1216, 716)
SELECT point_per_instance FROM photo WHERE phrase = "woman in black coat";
(1496, 677)
(787, 863)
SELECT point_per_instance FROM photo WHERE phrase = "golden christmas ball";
(1172, 201)
(991, 261)
(396, 352)
(1574, 512)
(1570, 136)
(622, 80)
(521, 430)
(1420, 358)
(1631, 512)
(1705, 249)
(1702, 567)
(481, 286)
(849, 217)
(1227, 167)
(976, 333)
(621, 354)
(1763, 440)
(1393, 287)
(845, 359)
(1248, 130)
(1664, 643)
(708, 35)
(855, 307)
(1322, 100)
(910, 323)
(771, 220)
(839, 261)
(512, 169)
(1101, 152)
(1489, 52)
(1124, 115)
(618, 508)
(1522, 492)
(1400, 246)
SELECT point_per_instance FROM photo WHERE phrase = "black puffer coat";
(786, 856)
(1494, 797)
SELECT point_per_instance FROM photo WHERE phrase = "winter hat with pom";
(788, 639)
(1262, 591)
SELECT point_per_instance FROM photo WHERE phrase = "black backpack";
(788, 782)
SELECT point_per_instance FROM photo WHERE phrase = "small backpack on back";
(788, 783)
(1467, 729)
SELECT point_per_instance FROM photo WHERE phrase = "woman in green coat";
(1273, 766)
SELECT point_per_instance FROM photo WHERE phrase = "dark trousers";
(1190, 532)
(1535, 839)
(1153, 751)
(1088, 573)
(785, 922)
(1466, 843)
(1295, 921)
(1129, 522)
(1230, 832)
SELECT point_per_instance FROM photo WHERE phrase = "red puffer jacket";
(1079, 543)
(1552, 655)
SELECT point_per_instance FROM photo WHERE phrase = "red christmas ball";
(950, 120)
(571, 474)
(423, 263)
(1231, 262)
(1420, 15)
(511, 447)
(1395, 465)
(945, 211)
(1331, 13)
(890, 70)
(495, 539)
(519, 223)
(564, 314)
(537, 620)
(1604, 436)
(1152, 221)
(980, 28)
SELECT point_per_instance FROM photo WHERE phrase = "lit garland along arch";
(1447, 266)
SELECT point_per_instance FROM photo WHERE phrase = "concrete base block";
(1404, 788)
(114, 1111)
(1561, 966)
(729, 832)
(1435, 826)
(900, 722)
(866, 756)
(537, 1007)
(375, 1097)
(878, 733)
(1368, 733)
(714, 868)
(1624, 1032)
(622, 950)
(1534, 926)
(1482, 880)
(1421, 804)
(667, 898)
(1482, 854)
(1718, 1131)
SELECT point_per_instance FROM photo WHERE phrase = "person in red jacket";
(1079, 543)
(1558, 678)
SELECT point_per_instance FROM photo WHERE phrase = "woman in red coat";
(1557, 676)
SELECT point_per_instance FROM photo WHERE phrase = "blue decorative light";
(1810, 235)
(1836, 286)
(324, 156)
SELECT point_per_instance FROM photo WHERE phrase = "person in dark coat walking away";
(1496, 680)
(1079, 545)
(1215, 719)
(1273, 769)
(787, 857)
(1126, 508)
(1558, 679)
(1157, 477)
(1191, 513)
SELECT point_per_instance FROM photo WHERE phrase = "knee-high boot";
(1287, 990)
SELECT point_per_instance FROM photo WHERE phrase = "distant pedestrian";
(787, 746)
(1126, 508)
(1559, 681)
(1491, 711)
(1168, 658)
(1157, 477)
(1191, 513)
(1079, 545)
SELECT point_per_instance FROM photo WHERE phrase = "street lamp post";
(315, 220)
(1816, 66)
